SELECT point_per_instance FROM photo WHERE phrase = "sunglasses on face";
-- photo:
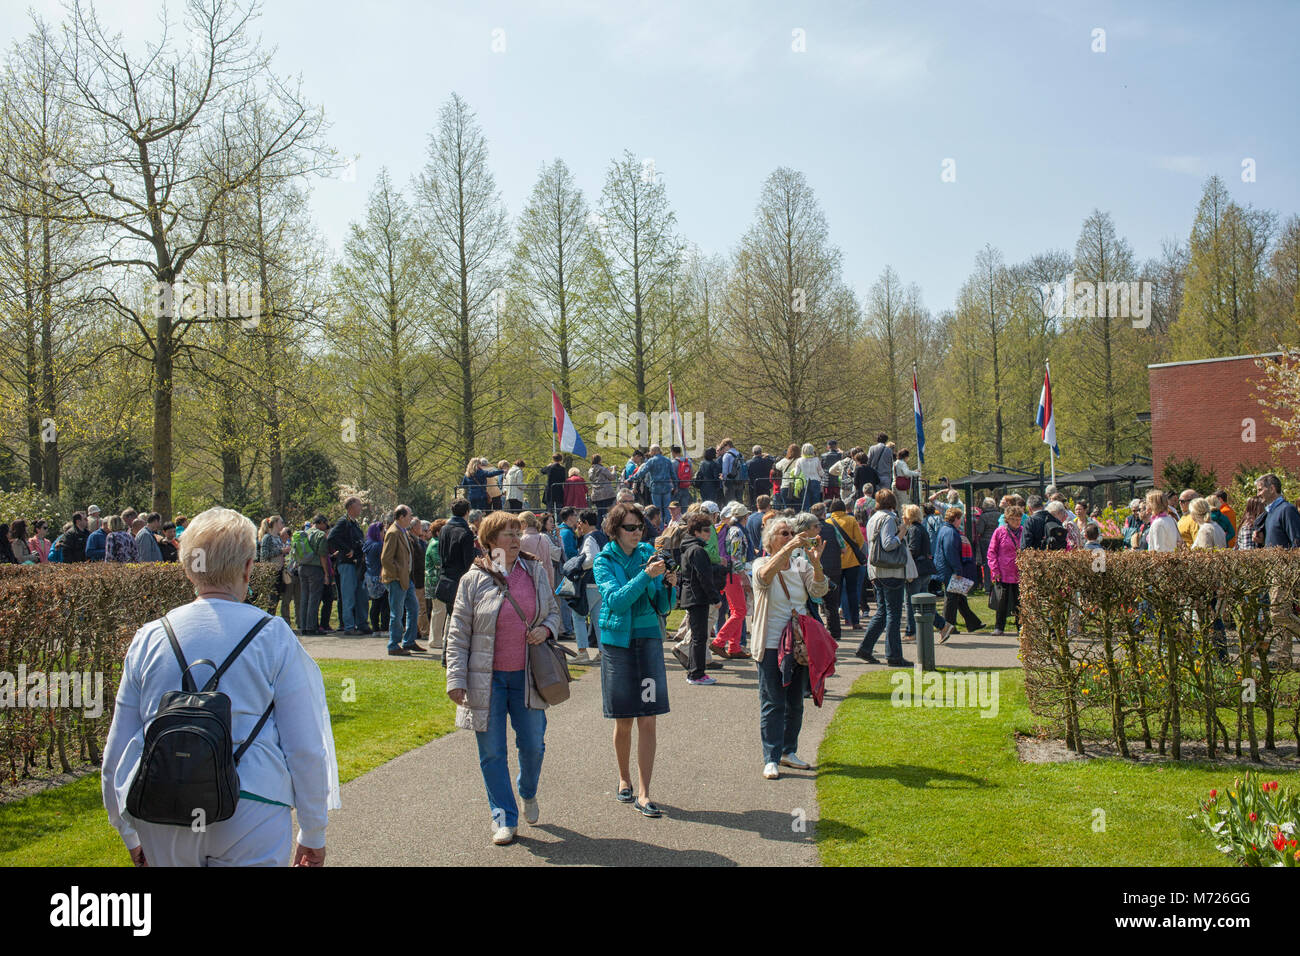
(630, 527)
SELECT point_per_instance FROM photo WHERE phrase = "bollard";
(923, 608)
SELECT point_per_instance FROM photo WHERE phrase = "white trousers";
(259, 834)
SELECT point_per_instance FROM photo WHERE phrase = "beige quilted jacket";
(471, 640)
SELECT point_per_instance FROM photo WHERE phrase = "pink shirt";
(511, 650)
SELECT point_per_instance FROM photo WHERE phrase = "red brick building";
(1209, 410)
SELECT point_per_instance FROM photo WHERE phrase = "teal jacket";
(630, 600)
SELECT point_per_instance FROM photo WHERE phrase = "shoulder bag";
(794, 626)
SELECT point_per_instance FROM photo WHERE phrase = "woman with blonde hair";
(504, 604)
(495, 493)
(474, 483)
(279, 719)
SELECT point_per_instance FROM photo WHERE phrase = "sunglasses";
(631, 527)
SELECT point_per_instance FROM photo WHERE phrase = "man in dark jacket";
(74, 542)
(345, 542)
(699, 592)
(1040, 527)
(554, 475)
(455, 550)
(1280, 523)
(832, 456)
(760, 476)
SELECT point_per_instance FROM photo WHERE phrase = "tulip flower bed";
(1128, 646)
(1253, 823)
(75, 619)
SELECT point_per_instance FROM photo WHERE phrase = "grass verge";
(389, 711)
(935, 786)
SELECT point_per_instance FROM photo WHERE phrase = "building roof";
(1224, 358)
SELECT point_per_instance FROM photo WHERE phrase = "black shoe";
(414, 647)
(398, 652)
(353, 632)
(648, 809)
(625, 795)
(870, 659)
(713, 666)
(898, 663)
(366, 630)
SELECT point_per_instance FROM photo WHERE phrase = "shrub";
(1253, 823)
(65, 618)
(1187, 473)
(1125, 645)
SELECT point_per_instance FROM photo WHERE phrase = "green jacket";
(432, 565)
(630, 600)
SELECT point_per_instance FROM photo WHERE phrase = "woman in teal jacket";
(635, 589)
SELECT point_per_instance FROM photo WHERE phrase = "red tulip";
(1252, 818)
(1214, 794)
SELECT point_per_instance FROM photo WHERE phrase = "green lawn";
(397, 707)
(935, 786)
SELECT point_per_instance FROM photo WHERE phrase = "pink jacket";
(1002, 554)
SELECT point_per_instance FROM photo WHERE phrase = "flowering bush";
(1253, 822)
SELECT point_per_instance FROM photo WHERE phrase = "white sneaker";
(771, 771)
(503, 836)
(532, 813)
(794, 760)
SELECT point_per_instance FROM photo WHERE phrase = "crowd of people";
(772, 567)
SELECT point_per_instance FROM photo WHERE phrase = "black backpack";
(1055, 536)
(187, 772)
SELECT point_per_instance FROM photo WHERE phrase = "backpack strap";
(187, 682)
(257, 729)
(215, 678)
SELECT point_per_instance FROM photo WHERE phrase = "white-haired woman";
(289, 763)
(783, 584)
(808, 472)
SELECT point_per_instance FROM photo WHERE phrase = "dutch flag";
(569, 439)
(1047, 415)
(920, 432)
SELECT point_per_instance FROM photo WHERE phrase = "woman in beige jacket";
(784, 579)
(503, 605)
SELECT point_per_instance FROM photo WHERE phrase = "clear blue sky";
(1042, 128)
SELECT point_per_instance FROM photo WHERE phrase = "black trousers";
(1008, 603)
(327, 603)
(954, 604)
(698, 616)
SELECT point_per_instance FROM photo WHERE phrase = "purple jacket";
(1002, 554)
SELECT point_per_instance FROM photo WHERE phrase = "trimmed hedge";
(1122, 647)
(78, 618)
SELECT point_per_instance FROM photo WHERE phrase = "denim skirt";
(633, 680)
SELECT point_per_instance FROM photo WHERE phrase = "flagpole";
(920, 465)
(1051, 449)
(554, 423)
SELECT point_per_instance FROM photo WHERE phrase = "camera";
(670, 563)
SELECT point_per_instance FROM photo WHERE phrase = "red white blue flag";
(920, 431)
(1047, 414)
(569, 439)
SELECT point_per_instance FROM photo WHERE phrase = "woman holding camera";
(635, 588)
(783, 583)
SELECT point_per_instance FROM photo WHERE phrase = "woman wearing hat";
(733, 549)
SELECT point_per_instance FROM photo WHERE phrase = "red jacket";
(821, 654)
(575, 492)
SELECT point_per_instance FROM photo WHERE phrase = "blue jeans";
(580, 626)
(780, 709)
(889, 608)
(812, 493)
(493, 756)
(849, 595)
(354, 605)
(660, 500)
(920, 586)
(402, 608)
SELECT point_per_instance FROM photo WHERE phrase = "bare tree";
(149, 178)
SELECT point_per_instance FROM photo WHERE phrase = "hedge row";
(1124, 647)
(76, 618)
